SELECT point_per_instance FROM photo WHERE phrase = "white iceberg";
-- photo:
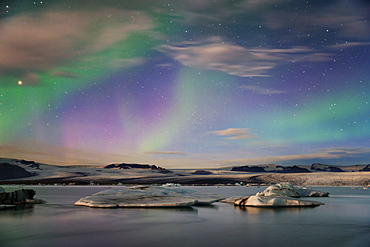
(281, 195)
(171, 185)
(304, 192)
(146, 196)
(287, 189)
(275, 201)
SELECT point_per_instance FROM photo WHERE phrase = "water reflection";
(276, 210)
(18, 210)
(158, 209)
(212, 206)
(59, 223)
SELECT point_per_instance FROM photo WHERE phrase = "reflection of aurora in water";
(184, 84)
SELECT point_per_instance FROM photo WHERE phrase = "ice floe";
(287, 189)
(275, 201)
(146, 196)
(23, 196)
(280, 195)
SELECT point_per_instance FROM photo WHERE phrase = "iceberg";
(304, 192)
(287, 189)
(146, 196)
(23, 196)
(275, 201)
(171, 185)
(281, 195)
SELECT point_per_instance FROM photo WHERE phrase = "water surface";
(344, 220)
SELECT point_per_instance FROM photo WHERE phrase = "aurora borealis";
(185, 84)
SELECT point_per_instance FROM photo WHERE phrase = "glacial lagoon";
(344, 220)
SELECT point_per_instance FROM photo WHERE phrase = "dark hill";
(202, 172)
(279, 169)
(8, 171)
(137, 166)
(293, 169)
(324, 168)
(31, 164)
(248, 169)
(366, 168)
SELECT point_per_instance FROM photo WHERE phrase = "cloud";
(31, 79)
(348, 45)
(345, 18)
(330, 156)
(238, 60)
(166, 152)
(64, 74)
(261, 90)
(30, 44)
(127, 62)
(342, 152)
(233, 134)
(58, 155)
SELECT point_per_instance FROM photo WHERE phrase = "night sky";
(185, 84)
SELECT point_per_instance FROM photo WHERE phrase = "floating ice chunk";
(275, 201)
(280, 195)
(171, 185)
(23, 196)
(304, 192)
(146, 196)
(281, 189)
(287, 189)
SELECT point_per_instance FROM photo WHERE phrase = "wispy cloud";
(127, 63)
(166, 152)
(342, 152)
(238, 60)
(65, 74)
(30, 44)
(349, 44)
(340, 17)
(233, 133)
(261, 90)
(331, 156)
(58, 155)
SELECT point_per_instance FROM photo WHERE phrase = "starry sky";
(185, 84)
